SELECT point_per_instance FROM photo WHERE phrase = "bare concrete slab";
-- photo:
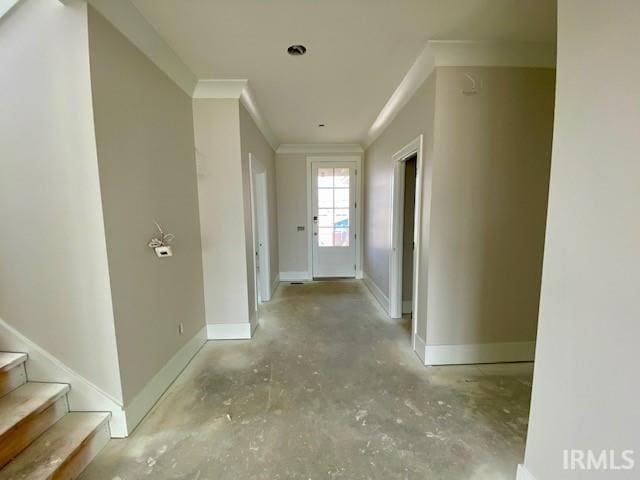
(328, 389)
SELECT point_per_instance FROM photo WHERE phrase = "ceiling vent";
(297, 50)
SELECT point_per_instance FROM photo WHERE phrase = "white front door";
(334, 223)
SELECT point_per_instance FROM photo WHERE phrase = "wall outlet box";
(163, 252)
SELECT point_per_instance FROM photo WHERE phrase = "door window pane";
(341, 196)
(325, 237)
(325, 177)
(325, 217)
(325, 198)
(341, 177)
(341, 237)
(341, 218)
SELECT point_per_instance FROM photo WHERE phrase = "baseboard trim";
(524, 474)
(419, 347)
(378, 294)
(479, 353)
(43, 366)
(295, 276)
(144, 401)
(229, 331)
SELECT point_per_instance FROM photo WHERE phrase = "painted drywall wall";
(415, 119)
(253, 142)
(408, 224)
(146, 159)
(585, 395)
(291, 175)
(492, 154)
(222, 211)
(54, 279)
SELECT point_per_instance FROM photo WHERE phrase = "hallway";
(328, 388)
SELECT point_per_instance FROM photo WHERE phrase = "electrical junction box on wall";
(163, 252)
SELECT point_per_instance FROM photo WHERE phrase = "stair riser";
(20, 437)
(12, 379)
(82, 457)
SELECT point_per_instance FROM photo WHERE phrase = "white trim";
(415, 77)
(229, 331)
(42, 366)
(213, 88)
(524, 474)
(133, 25)
(295, 276)
(415, 147)
(359, 202)
(247, 98)
(457, 53)
(6, 5)
(407, 306)
(480, 353)
(319, 148)
(376, 292)
(420, 347)
(144, 401)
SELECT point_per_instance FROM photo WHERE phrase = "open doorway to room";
(260, 224)
(405, 233)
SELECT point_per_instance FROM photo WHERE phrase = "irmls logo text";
(598, 460)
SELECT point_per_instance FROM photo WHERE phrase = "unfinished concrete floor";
(328, 389)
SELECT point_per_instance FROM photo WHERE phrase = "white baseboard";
(419, 347)
(407, 306)
(136, 409)
(524, 474)
(229, 331)
(42, 366)
(382, 299)
(479, 353)
(295, 276)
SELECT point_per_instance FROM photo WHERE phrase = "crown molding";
(463, 53)
(212, 88)
(132, 24)
(318, 148)
(415, 77)
(459, 53)
(6, 5)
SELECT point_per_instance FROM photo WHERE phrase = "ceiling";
(358, 50)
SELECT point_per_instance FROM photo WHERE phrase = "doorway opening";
(406, 234)
(260, 224)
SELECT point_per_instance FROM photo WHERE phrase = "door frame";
(358, 194)
(260, 229)
(415, 147)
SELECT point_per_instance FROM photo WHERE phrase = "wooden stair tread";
(50, 455)
(9, 360)
(27, 400)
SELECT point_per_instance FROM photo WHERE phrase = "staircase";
(39, 438)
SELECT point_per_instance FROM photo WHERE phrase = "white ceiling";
(358, 50)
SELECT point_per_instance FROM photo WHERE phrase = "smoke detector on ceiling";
(297, 50)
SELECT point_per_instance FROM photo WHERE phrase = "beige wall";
(222, 211)
(414, 119)
(54, 280)
(291, 174)
(146, 158)
(252, 141)
(490, 184)
(585, 393)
